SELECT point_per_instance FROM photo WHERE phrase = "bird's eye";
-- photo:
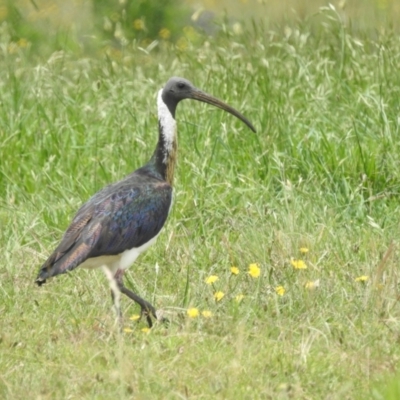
(180, 85)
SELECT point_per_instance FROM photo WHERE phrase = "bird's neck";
(164, 156)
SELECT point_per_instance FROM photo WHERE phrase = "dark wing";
(122, 216)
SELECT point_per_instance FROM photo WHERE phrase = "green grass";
(322, 172)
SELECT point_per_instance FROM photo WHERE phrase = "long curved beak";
(207, 98)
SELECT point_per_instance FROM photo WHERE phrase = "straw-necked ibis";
(122, 220)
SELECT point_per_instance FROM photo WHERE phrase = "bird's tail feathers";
(61, 263)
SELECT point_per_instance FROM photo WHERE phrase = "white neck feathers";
(168, 125)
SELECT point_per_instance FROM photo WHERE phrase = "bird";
(124, 219)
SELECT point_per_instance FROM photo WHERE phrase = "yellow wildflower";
(362, 278)
(164, 33)
(193, 312)
(304, 250)
(311, 285)
(138, 24)
(206, 314)
(235, 270)
(145, 330)
(211, 279)
(182, 44)
(298, 264)
(254, 270)
(22, 43)
(280, 290)
(239, 298)
(219, 295)
(135, 317)
(128, 330)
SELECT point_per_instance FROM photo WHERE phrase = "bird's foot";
(149, 312)
(160, 317)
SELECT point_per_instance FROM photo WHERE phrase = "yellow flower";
(211, 279)
(254, 270)
(193, 312)
(206, 314)
(164, 33)
(235, 270)
(311, 285)
(138, 24)
(128, 330)
(22, 43)
(145, 330)
(280, 290)
(239, 298)
(219, 295)
(304, 250)
(135, 317)
(182, 44)
(298, 264)
(362, 278)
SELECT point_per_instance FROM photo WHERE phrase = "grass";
(322, 172)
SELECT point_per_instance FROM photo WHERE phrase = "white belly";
(119, 261)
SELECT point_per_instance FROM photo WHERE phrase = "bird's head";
(177, 89)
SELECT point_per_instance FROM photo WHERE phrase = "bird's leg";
(146, 308)
(115, 300)
(115, 294)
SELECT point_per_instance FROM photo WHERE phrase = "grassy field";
(312, 200)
